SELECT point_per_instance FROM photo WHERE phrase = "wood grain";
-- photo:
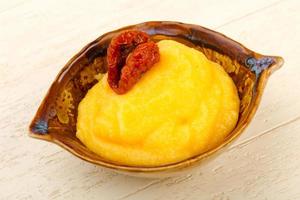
(38, 37)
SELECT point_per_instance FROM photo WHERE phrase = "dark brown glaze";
(55, 119)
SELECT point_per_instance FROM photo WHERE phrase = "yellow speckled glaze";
(182, 107)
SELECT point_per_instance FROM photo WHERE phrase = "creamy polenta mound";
(182, 107)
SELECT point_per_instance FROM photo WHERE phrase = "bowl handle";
(264, 63)
(39, 129)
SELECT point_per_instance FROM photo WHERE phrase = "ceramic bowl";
(55, 120)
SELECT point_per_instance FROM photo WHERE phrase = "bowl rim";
(189, 161)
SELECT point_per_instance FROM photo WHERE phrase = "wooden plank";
(266, 168)
(38, 37)
(9, 5)
(280, 101)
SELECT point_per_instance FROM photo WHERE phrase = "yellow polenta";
(183, 106)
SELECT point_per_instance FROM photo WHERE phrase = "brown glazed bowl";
(55, 120)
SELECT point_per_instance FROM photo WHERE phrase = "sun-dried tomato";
(129, 55)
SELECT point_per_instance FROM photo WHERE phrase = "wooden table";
(38, 37)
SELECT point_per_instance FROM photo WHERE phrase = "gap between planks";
(266, 132)
(143, 188)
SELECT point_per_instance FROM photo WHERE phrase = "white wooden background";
(37, 37)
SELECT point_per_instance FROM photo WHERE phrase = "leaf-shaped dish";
(55, 119)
